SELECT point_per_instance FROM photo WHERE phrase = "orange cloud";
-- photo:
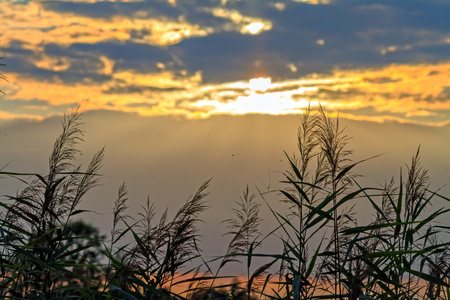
(403, 93)
(10, 116)
(34, 25)
(314, 1)
(239, 22)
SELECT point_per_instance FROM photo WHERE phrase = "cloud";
(406, 93)
(196, 58)
(67, 23)
(156, 22)
(401, 92)
(215, 37)
(241, 23)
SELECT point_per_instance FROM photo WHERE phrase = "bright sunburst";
(254, 28)
(260, 84)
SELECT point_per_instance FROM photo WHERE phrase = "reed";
(325, 251)
(2, 77)
(39, 253)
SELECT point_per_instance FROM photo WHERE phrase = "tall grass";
(150, 265)
(396, 256)
(38, 238)
(2, 77)
(325, 251)
(318, 183)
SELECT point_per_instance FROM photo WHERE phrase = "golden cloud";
(34, 26)
(396, 92)
(404, 93)
(315, 2)
(94, 1)
(10, 116)
(50, 63)
(239, 22)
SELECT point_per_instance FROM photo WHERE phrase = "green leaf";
(320, 212)
(122, 293)
(296, 286)
(313, 260)
(428, 277)
(294, 167)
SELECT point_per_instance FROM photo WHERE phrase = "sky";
(182, 91)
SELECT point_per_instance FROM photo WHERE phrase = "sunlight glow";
(314, 1)
(242, 23)
(402, 93)
(254, 28)
(257, 104)
(260, 84)
(320, 42)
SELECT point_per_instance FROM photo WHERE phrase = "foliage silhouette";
(1, 75)
(402, 253)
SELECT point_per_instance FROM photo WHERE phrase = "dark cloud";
(420, 54)
(126, 55)
(28, 106)
(85, 62)
(221, 56)
(16, 47)
(431, 15)
(82, 65)
(289, 87)
(309, 38)
(193, 11)
(445, 94)
(19, 103)
(130, 89)
(225, 56)
(432, 73)
(381, 80)
(317, 38)
(341, 95)
(79, 70)
(93, 10)
(212, 95)
(143, 105)
(223, 95)
(106, 9)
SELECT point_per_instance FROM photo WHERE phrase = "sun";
(260, 84)
(254, 28)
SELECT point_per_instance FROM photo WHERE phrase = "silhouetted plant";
(150, 264)
(39, 248)
(2, 77)
(403, 232)
(305, 180)
(245, 232)
(439, 267)
(402, 253)
(318, 184)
